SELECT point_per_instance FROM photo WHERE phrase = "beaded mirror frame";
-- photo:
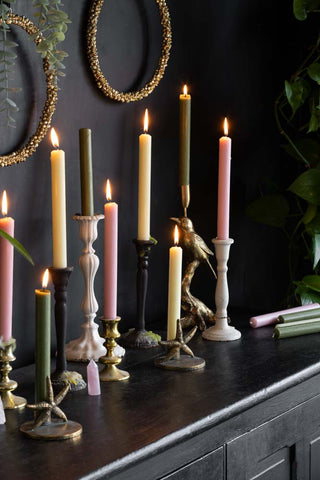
(30, 147)
(92, 52)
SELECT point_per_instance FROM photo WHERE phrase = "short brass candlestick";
(9, 400)
(110, 372)
(139, 337)
(60, 279)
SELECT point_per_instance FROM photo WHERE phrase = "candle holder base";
(73, 379)
(10, 401)
(222, 331)
(55, 430)
(140, 339)
(227, 333)
(182, 364)
(110, 372)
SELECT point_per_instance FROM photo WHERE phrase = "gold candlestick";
(110, 372)
(9, 400)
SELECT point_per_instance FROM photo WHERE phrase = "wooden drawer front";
(209, 467)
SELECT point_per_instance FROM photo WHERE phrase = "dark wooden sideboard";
(252, 413)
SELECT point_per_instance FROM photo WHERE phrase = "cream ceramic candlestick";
(222, 331)
(90, 344)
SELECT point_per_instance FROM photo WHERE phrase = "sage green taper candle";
(185, 125)
(297, 316)
(87, 208)
(295, 329)
(43, 303)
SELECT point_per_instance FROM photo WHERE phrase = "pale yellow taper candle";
(58, 186)
(144, 182)
(174, 289)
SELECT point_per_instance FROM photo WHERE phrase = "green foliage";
(17, 245)
(53, 24)
(295, 209)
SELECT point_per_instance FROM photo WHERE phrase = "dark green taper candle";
(295, 329)
(43, 303)
(185, 125)
(87, 208)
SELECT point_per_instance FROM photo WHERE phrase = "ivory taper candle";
(110, 256)
(185, 125)
(58, 185)
(43, 324)
(144, 182)
(87, 208)
(174, 288)
(224, 184)
(6, 273)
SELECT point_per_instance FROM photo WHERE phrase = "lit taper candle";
(185, 126)
(110, 256)
(43, 303)
(6, 273)
(174, 287)
(144, 199)
(224, 184)
(58, 188)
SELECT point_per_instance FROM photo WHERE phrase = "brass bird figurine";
(179, 343)
(194, 245)
(50, 406)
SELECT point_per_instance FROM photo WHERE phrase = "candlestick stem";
(9, 400)
(222, 331)
(139, 337)
(61, 376)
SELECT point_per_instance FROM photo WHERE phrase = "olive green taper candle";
(295, 329)
(87, 208)
(43, 324)
(297, 316)
(185, 125)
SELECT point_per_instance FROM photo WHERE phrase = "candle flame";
(146, 121)
(4, 203)
(185, 90)
(54, 138)
(176, 235)
(225, 126)
(108, 191)
(45, 278)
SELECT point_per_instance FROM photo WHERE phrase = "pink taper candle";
(110, 256)
(224, 184)
(6, 274)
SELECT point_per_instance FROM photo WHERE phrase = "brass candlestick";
(173, 360)
(110, 372)
(9, 400)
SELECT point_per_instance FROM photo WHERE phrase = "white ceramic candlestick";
(222, 331)
(90, 344)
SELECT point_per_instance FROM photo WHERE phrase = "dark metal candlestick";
(139, 337)
(61, 376)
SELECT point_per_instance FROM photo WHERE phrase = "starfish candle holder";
(43, 426)
(9, 400)
(173, 360)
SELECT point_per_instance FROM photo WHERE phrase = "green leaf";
(312, 282)
(310, 213)
(314, 72)
(299, 9)
(314, 123)
(316, 250)
(269, 210)
(307, 186)
(17, 245)
(306, 295)
(309, 148)
(296, 92)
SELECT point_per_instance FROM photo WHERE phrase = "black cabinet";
(209, 467)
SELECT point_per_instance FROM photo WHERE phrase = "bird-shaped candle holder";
(43, 426)
(196, 251)
(173, 360)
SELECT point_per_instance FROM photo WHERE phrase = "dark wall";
(234, 55)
